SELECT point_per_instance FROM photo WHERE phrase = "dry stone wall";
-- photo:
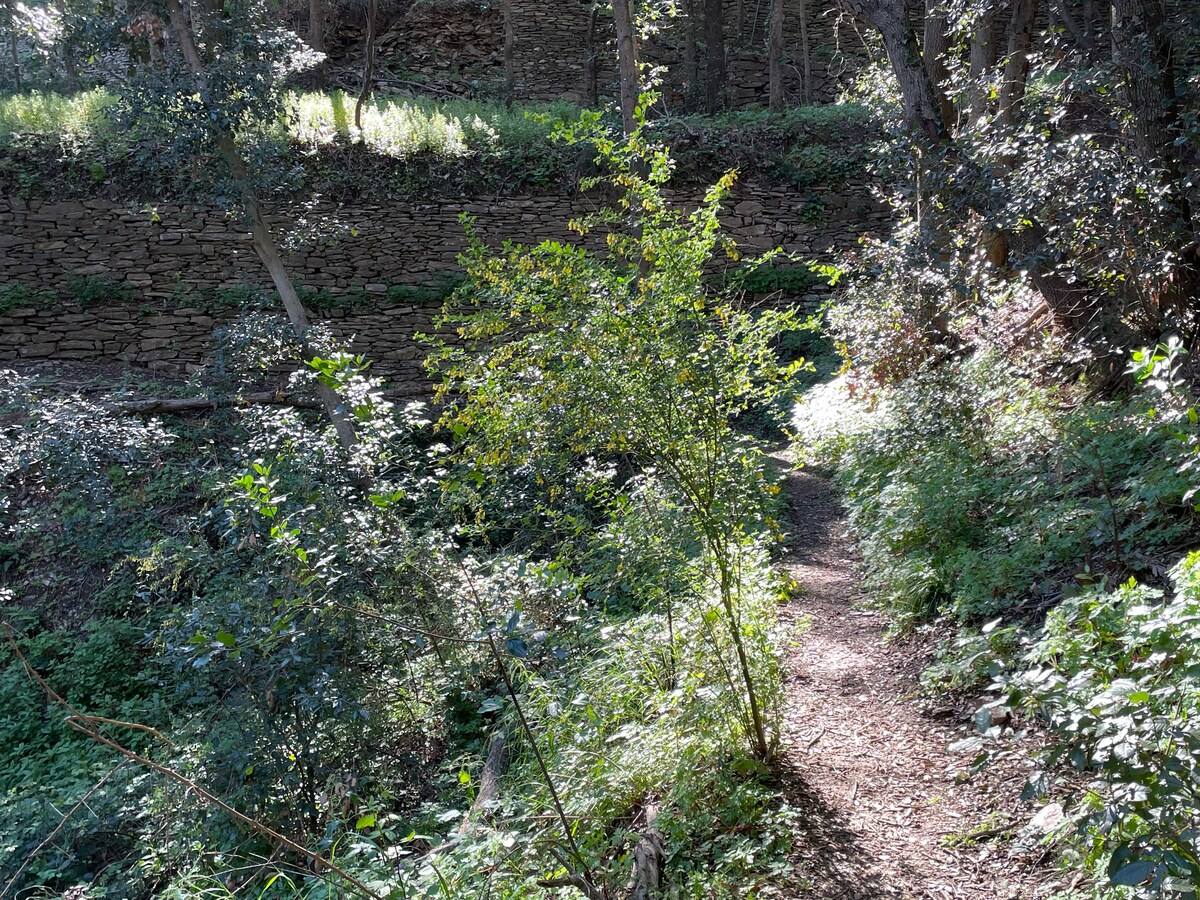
(167, 257)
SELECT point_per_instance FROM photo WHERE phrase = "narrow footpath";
(888, 808)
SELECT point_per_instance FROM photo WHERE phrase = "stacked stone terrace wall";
(167, 258)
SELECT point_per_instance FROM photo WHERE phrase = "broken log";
(174, 405)
(489, 779)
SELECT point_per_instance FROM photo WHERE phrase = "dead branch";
(172, 405)
(489, 779)
(648, 858)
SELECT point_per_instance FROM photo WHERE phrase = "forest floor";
(888, 807)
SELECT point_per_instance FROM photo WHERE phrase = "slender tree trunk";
(775, 65)
(627, 62)
(14, 54)
(260, 232)
(1088, 19)
(510, 71)
(714, 50)
(1080, 33)
(739, 20)
(805, 52)
(984, 49)
(368, 63)
(591, 85)
(934, 48)
(691, 50)
(1016, 70)
(316, 38)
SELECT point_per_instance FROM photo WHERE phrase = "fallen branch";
(170, 405)
(489, 779)
(648, 858)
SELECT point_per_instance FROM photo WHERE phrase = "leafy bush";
(973, 493)
(1116, 676)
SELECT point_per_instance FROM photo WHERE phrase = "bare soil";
(888, 809)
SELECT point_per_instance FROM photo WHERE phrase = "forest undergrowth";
(508, 646)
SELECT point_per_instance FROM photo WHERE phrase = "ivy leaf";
(1133, 873)
(516, 646)
(367, 821)
(226, 638)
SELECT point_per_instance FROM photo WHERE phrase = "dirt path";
(868, 763)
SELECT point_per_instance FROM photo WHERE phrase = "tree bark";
(1144, 57)
(263, 241)
(934, 47)
(510, 70)
(591, 85)
(11, 9)
(316, 38)
(775, 64)
(368, 63)
(1016, 70)
(489, 780)
(805, 52)
(645, 879)
(1080, 34)
(984, 49)
(714, 51)
(922, 109)
(691, 51)
(627, 63)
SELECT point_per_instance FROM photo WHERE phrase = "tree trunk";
(1143, 55)
(1016, 70)
(739, 19)
(1080, 34)
(177, 405)
(714, 51)
(591, 85)
(627, 63)
(645, 879)
(263, 242)
(805, 52)
(984, 49)
(934, 47)
(922, 109)
(368, 63)
(691, 51)
(510, 71)
(775, 66)
(11, 16)
(1088, 25)
(316, 38)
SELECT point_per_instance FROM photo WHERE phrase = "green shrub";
(95, 290)
(972, 492)
(1116, 677)
(21, 296)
